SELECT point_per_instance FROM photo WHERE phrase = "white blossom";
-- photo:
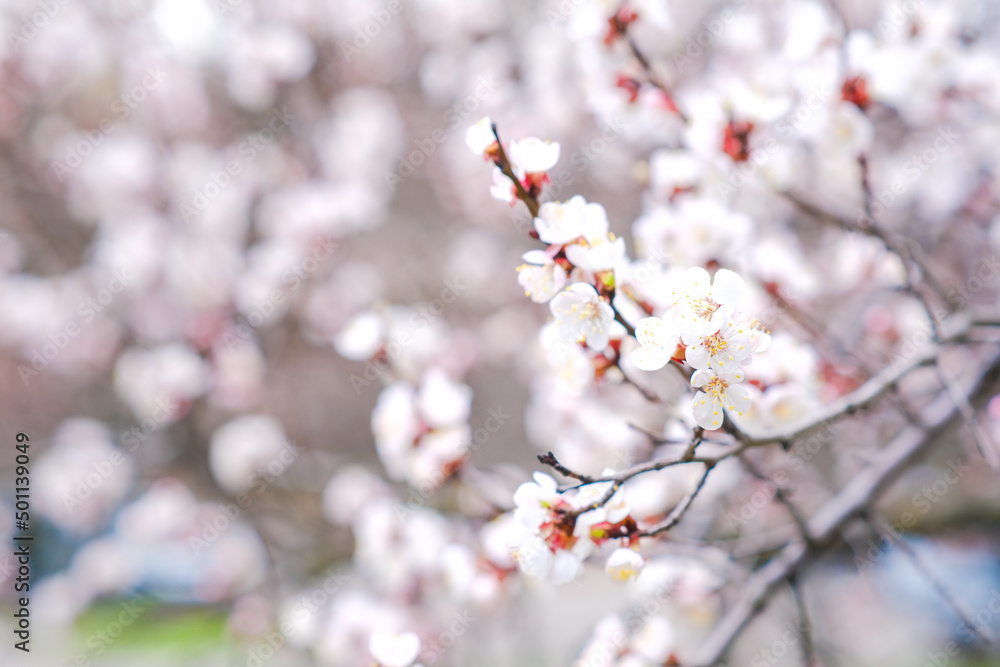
(719, 392)
(394, 650)
(541, 277)
(624, 565)
(479, 137)
(564, 222)
(582, 316)
(533, 156)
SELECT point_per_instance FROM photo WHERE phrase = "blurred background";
(218, 217)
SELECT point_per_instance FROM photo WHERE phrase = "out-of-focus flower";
(247, 446)
(421, 435)
(624, 565)
(534, 156)
(564, 222)
(541, 277)
(583, 316)
(82, 477)
(552, 538)
(362, 337)
(479, 137)
(394, 650)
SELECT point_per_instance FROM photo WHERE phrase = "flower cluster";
(700, 325)
(529, 160)
(422, 435)
(555, 532)
(704, 329)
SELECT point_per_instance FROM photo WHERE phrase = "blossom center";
(589, 311)
(705, 308)
(716, 387)
(716, 344)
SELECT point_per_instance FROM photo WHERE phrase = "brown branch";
(781, 495)
(850, 403)
(808, 649)
(550, 460)
(504, 164)
(985, 444)
(891, 245)
(854, 499)
(647, 67)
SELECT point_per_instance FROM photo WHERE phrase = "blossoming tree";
(574, 332)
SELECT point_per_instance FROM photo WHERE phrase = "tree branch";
(857, 495)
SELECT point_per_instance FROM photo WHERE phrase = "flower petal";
(728, 287)
(707, 413)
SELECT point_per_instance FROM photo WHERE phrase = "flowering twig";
(850, 403)
(857, 495)
(550, 459)
(621, 28)
(503, 162)
(531, 201)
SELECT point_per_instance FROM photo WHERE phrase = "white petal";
(546, 483)
(565, 568)
(579, 256)
(585, 290)
(624, 565)
(539, 257)
(441, 401)
(697, 357)
(479, 137)
(533, 556)
(394, 650)
(738, 397)
(728, 287)
(649, 358)
(534, 155)
(597, 340)
(698, 280)
(701, 378)
(761, 341)
(707, 413)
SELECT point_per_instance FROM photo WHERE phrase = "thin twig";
(781, 496)
(647, 67)
(678, 512)
(550, 459)
(984, 442)
(504, 164)
(907, 258)
(850, 403)
(808, 649)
